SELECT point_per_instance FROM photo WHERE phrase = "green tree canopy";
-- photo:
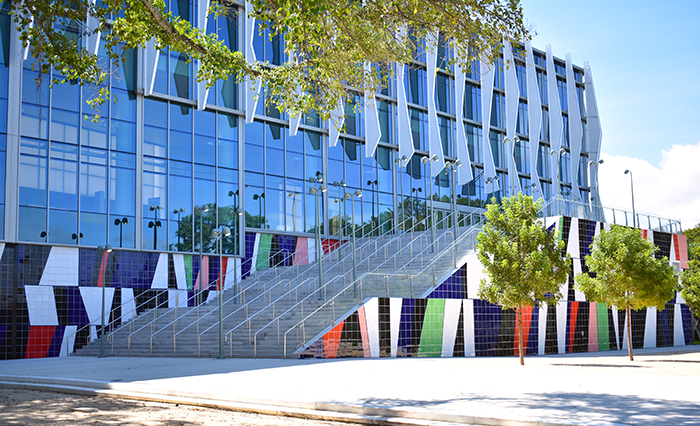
(521, 258)
(627, 274)
(329, 42)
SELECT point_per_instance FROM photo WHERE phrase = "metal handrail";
(377, 249)
(445, 252)
(337, 294)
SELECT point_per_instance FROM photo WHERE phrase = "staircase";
(274, 312)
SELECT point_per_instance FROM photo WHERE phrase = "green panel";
(561, 228)
(603, 327)
(188, 272)
(431, 334)
(264, 251)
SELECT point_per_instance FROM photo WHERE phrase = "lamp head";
(358, 193)
(312, 190)
(627, 171)
(214, 233)
(324, 188)
(343, 183)
(425, 160)
(239, 212)
(348, 195)
(516, 139)
(552, 152)
(226, 231)
(458, 163)
(435, 158)
(601, 161)
(108, 248)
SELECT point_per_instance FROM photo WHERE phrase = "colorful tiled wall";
(450, 321)
(51, 297)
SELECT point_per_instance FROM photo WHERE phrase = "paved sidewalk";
(662, 386)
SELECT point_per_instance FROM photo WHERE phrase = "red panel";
(40, 337)
(681, 243)
(329, 245)
(331, 341)
(103, 263)
(644, 234)
(573, 314)
(527, 320)
(222, 273)
(301, 254)
(363, 331)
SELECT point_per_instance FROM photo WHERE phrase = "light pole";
(219, 233)
(514, 171)
(634, 214)
(103, 252)
(293, 194)
(597, 194)
(260, 197)
(178, 212)
(341, 186)
(414, 195)
(401, 217)
(202, 209)
(453, 167)
(426, 160)
(351, 196)
(316, 191)
(120, 223)
(373, 184)
(155, 224)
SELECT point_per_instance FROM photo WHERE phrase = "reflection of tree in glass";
(185, 228)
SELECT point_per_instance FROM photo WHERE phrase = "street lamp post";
(351, 196)
(414, 194)
(155, 224)
(219, 233)
(513, 172)
(453, 167)
(293, 194)
(120, 223)
(178, 212)
(103, 252)
(341, 187)
(316, 191)
(634, 214)
(401, 210)
(260, 197)
(426, 160)
(373, 184)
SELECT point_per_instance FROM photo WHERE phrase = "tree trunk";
(629, 332)
(519, 313)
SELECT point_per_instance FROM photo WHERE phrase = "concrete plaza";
(662, 386)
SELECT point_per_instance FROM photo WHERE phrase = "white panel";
(251, 88)
(534, 106)
(233, 264)
(678, 333)
(404, 133)
(464, 173)
(177, 298)
(578, 295)
(542, 330)
(556, 124)
(512, 100)
(61, 267)
(562, 307)
(2, 249)
(212, 297)
(294, 124)
(487, 76)
(475, 273)
(311, 249)
(469, 342)
(449, 326)
(616, 325)
(93, 38)
(624, 332)
(151, 67)
(128, 304)
(202, 20)
(575, 126)
(373, 132)
(650, 329)
(395, 305)
(434, 145)
(335, 124)
(573, 244)
(372, 320)
(160, 276)
(180, 273)
(41, 305)
(92, 299)
(593, 131)
(256, 250)
(68, 340)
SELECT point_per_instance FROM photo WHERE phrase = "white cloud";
(671, 190)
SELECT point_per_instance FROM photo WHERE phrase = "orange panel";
(363, 331)
(527, 320)
(572, 325)
(592, 328)
(331, 341)
(681, 243)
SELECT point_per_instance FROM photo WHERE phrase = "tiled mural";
(51, 297)
(451, 321)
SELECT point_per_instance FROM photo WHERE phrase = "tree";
(690, 278)
(626, 274)
(327, 42)
(522, 259)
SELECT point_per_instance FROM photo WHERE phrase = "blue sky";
(645, 60)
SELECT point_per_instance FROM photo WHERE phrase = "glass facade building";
(134, 176)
